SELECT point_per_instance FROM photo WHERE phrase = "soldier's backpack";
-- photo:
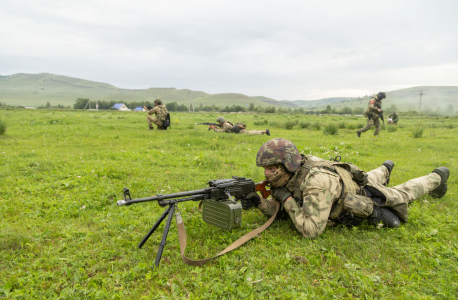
(166, 122)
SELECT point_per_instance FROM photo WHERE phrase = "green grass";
(289, 124)
(392, 128)
(62, 236)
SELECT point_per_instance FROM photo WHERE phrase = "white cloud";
(280, 49)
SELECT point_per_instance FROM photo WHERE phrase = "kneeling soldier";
(160, 111)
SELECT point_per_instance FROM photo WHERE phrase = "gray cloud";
(282, 49)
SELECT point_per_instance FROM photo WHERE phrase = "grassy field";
(62, 236)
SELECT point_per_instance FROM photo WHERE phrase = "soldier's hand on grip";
(252, 199)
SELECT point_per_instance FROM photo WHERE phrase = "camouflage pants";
(399, 196)
(153, 120)
(322, 188)
(257, 132)
(371, 122)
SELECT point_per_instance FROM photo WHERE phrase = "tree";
(80, 103)
(450, 109)
(251, 107)
(48, 105)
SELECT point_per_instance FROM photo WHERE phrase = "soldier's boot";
(441, 190)
(389, 164)
(385, 216)
(268, 131)
(358, 133)
(151, 128)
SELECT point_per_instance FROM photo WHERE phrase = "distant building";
(139, 108)
(121, 107)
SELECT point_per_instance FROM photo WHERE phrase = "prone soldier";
(316, 193)
(225, 126)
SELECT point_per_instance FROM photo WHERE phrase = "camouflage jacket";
(226, 127)
(372, 108)
(160, 111)
(394, 117)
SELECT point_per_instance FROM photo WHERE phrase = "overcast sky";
(286, 50)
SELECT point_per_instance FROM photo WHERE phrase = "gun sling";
(236, 244)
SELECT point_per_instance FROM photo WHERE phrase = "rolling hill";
(18, 89)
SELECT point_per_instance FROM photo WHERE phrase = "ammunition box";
(223, 214)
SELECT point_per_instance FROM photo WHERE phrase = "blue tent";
(117, 106)
(138, 108)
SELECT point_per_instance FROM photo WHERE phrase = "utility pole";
(190, 100)
(419, 108)
(36, 107)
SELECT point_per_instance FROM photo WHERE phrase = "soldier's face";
(220, 123)
(269, 169)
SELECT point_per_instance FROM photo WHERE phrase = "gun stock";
(261, 187)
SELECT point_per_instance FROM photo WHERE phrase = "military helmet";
(381, 95)
(279, 151)
(220, 119)
(158, 101)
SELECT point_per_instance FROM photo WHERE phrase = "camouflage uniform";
(394, 117)
(322, 188)
(256, 132)
(372, 115)
(161, 113)
(226, 127)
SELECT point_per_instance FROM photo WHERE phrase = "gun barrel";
(162, 197)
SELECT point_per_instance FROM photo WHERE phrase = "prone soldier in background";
(161, 114)
(241, 128)
(374, 109)
(316, 193)
(225, 126)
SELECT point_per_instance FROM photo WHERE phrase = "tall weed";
(317, 125)
(289, 124)
(3, 127)
(261, 122)
(331, 129)
(392, 128)
(304, 125)
(342, 125)
(417, 131)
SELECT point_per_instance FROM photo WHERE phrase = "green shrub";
(304, 125)
(417, 131)
(317, 125)
(449, 126)
(433, 125)
(331, 129)
(3, 127)
(289, 124)
(341, 125)
(261, 122)
(352, 126)
(392, 128)
(273, 124)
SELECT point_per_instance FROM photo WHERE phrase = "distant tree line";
(329, 110)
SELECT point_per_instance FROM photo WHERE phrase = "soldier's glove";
(281, 194)
(252, 199)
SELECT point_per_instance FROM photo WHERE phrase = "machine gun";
(218, 205)
(207, 123)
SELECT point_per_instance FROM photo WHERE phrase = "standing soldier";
(161, 114)
(226, 126)
(242, 129)
(374, 109)
(394, 117)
